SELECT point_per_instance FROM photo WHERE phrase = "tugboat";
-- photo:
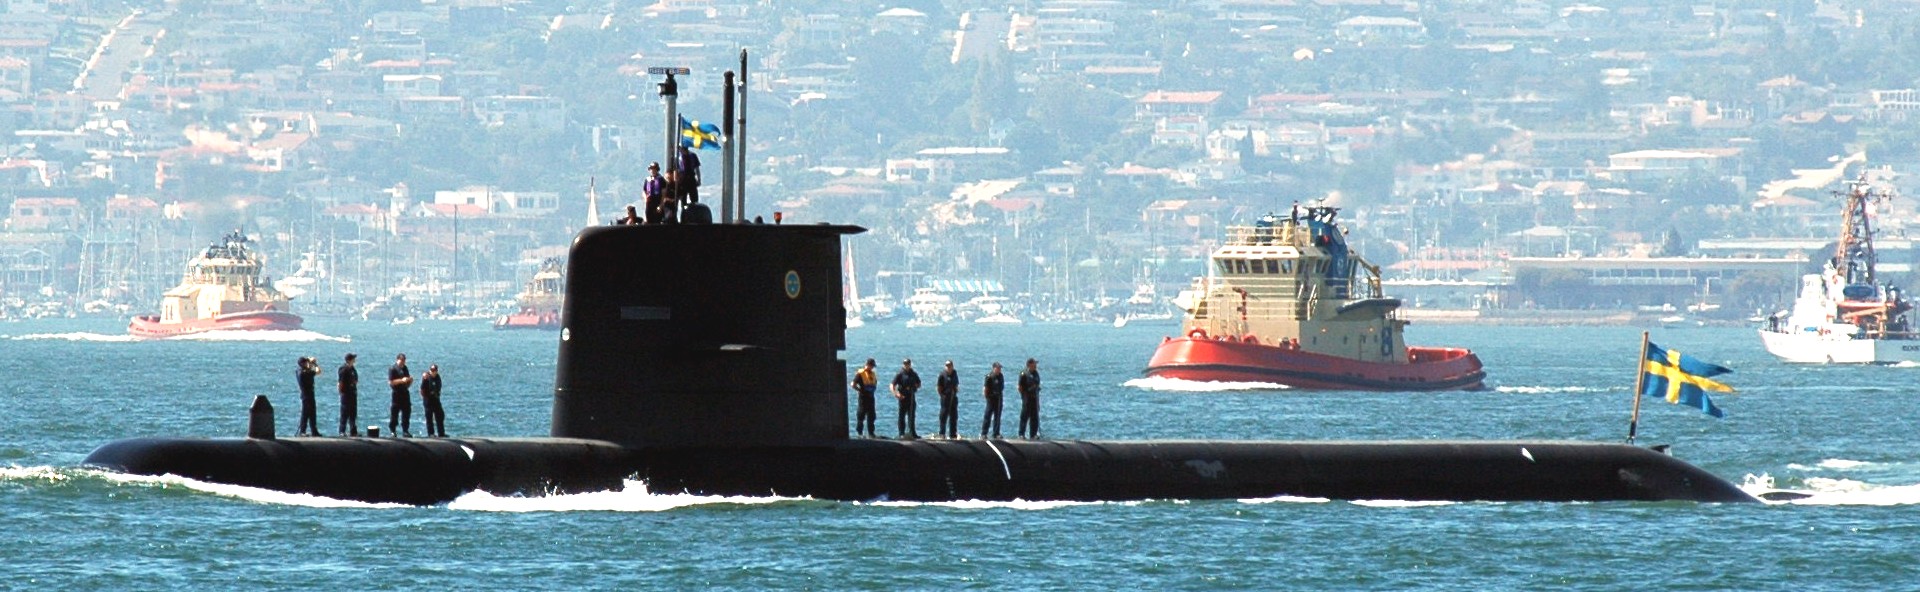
(1286, 302)
(1844, 315)
(539, 302)
(221, 291)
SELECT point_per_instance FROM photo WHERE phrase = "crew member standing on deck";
(995, 386)
(864, 383)
(655, 190)
(906, 382)
(349, 398)
(400, 412)
(948, 385)
(1030, 400)
(436, 419)
(309, 422)
(689, 176)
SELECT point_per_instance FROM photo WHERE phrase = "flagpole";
(1639, 382)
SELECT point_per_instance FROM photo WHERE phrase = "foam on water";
(1014, 505)
(74, 337)
(1285, 499)
(1161, 383)
(1537, 390)
(1829, 490)
(42, 473)
(1846, 492)
(253, 494)
(1832, 463)
(1401, 503)
(301, 335)
(631, 497)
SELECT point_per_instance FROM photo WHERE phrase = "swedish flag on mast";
(699, 136)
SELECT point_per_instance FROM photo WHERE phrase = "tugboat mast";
(1854, 253)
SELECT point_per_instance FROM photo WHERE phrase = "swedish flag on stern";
(1681, 379)
(699, 136)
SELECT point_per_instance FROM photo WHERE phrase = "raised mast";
(1853, 255)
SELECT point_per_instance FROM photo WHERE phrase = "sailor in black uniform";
(309, 423)
(349, 398)
(906, 382)
(400, 412)
(436, 419)
(995, 386)
(1030, 400)
(948, 385)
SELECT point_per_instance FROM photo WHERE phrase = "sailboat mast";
(593, 204)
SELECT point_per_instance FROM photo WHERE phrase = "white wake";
(632, 497)
(1161, 383)
(301, 335)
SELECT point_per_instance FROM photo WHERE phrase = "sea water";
(1844, 434)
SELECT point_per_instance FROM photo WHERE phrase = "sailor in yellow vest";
(864, 383)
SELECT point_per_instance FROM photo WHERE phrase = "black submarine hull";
(425, 472)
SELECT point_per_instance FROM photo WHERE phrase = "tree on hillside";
(994, 97)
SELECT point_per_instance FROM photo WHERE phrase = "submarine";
(704, 358)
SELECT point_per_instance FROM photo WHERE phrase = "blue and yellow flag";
(699, 136)
(1681, 380)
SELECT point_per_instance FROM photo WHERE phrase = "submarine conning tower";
(703, 335)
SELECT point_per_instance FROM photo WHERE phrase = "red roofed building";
(16, 76)
(280, 152)
(1162, 103)
(123, 213)
(31, 214)
(34, 51)
(362, 215)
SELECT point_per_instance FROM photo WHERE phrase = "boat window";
(1240, 265)
(1286, 267)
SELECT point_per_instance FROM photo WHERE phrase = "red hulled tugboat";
(221, 291)
(1280, 304)
(539, 302)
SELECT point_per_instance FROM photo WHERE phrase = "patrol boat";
(1286, 302)
(221, 291)
(1844, 314)
(539, 302)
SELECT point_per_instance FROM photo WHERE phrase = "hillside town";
(1063, 159)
